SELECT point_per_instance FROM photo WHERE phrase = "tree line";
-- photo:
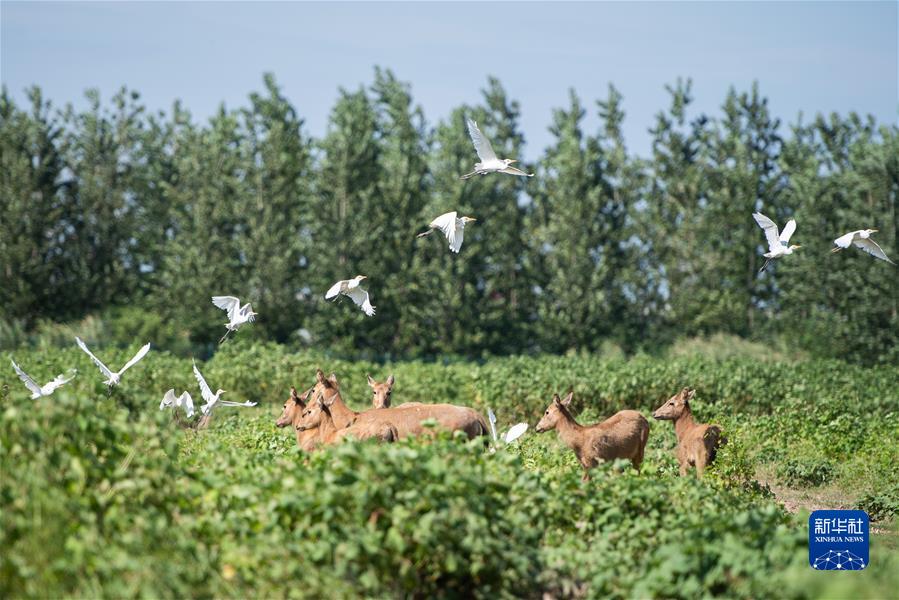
(116, 210)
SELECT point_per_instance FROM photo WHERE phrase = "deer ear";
(556, 399)
(690, 394)
(567, 400)
(305, 395)
(333, 379)
(319, 375)
(390, 381)
(371, 382)
(293, 393)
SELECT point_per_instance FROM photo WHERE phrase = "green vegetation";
(99, 500)
(137, 219)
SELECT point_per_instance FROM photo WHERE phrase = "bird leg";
(468, 175)
(837, 249)
(224, 336)
(765, 266)
(428, 232)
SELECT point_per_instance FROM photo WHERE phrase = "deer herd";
(319, 417)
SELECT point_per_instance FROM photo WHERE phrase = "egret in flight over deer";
(861, 239)
(113, 378)
(350, 288)
(183, 401)
(38, 391)
(777, 242)
(489, 162)
(237, 314)
(213, 400)
(452, 227)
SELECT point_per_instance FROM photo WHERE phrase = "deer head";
(674, 407)
(293, 407)
(381, 392)
(556, 411)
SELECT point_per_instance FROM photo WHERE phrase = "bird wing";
(360, 297)
(844, 241)
(208, 396)
(185, 402)
(103, 368)
(481, 143)
(456, 241)
(447, 224)
(230, 403)
(514, 171)
(334, 290)
(168, 399)
(515, 432)
(871, 247)
(787, 233)
(246, 310)
(229, 304)
(140, 354)
(28, 381)
(56, 382)
(770, 229)
(491, 417)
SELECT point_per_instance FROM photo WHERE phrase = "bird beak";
(874, 230)
(512, 161)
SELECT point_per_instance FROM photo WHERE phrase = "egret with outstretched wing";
(183, 401)
(861, 239)
(213, 400)
(453, 228)
(113, 378)
(237, 314)
(489, 162)
(38, 391)
(350, 288)
(777, 241)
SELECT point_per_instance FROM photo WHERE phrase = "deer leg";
(683, 469)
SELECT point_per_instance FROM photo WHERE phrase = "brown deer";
(317, 418)
(407, 418)
(697, 443)
(293, 413)
(381, 392)
(623, 435)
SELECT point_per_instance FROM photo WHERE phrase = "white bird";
(237, 314)
(777, 243)
(38, 391)
(515, 432)
(113, 378)
(452, 227)
(861, 239)
(350, 288)
(212, 400)
(489, 162)
(183, 401)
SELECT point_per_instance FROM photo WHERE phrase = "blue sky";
(806, 56)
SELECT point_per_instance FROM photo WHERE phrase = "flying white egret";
(212, 400)
(237, 314)
(491, 416)
(37, 391)
(489, 162)
(777, 243)
(350, 288)
(452, 227)
(861, 239)
(113, 378)
(183, 401)
(515, 432)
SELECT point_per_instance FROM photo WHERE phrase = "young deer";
(317, 418)
(381, 392)
(292, 414)
(697, 443)
(623, 435)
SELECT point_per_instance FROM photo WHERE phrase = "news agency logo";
(838, 540)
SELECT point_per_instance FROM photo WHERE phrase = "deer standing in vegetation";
(407, 418)
(381, 392)
(292, 414)
(697, 443)
(317, 418)
(623, 435)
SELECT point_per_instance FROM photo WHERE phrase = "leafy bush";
(881, 505)
(805, 472)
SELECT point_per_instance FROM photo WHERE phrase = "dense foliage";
(138, 218)
(97, 499)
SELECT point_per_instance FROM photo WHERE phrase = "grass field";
(102, 495)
